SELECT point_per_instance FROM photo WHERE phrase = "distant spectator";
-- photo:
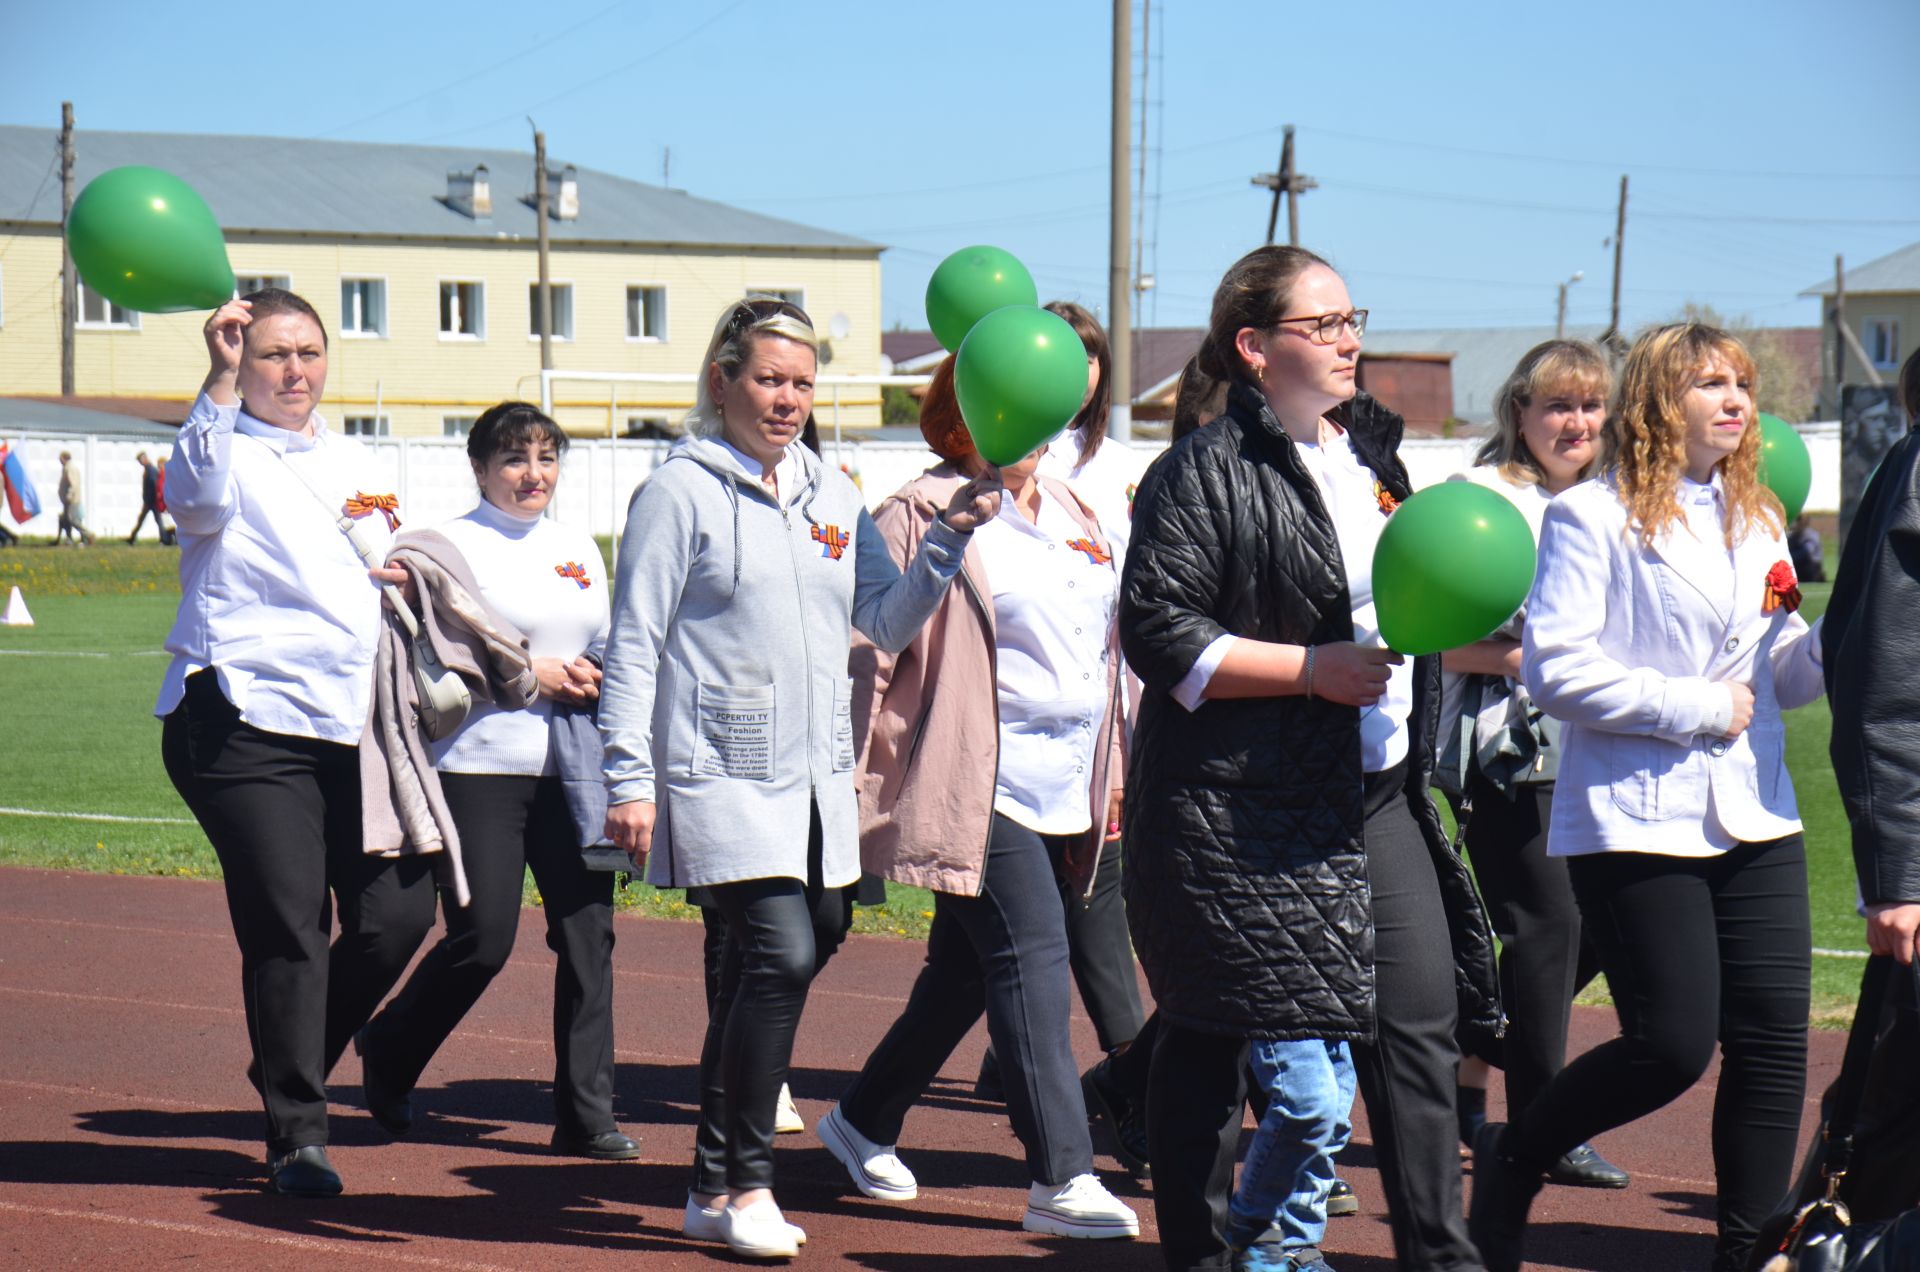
(167, 536)
(1803, 545)
(149, 498)
(73, 512)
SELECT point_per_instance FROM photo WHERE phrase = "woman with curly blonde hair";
(1662, 634)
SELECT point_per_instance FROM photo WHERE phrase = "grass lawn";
(77, 691)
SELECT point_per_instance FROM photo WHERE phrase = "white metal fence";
(431, 477)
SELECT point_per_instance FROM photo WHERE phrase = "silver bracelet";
(1310, 649)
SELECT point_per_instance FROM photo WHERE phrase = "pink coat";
(928, 759)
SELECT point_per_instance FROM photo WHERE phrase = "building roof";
(37, 415)
(1895, 272)
(335, 188)
(911, 352)
(1483, 357)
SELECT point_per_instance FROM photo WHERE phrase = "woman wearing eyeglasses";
(1287, 876)
(727, 715)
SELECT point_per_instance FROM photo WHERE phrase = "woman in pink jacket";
(975, 793)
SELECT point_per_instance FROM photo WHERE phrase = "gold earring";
(1260, 373)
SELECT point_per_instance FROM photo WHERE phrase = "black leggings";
(780, 932)
(283, 814)
(508, 823)
(1697, 950)
(1545, 957)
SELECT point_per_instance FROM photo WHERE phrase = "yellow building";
(422, 261)
(1883, 311)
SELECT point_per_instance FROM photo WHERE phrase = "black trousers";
(283, 815)
(1099, 945)
(1545, 959)
(507, 825)
(1697, 950)
(1196, 1084)
(779, 933)
(1002, 953)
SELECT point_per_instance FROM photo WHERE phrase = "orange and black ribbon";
(387, 506)
(1783, 589)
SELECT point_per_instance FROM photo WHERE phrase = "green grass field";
(77, 690)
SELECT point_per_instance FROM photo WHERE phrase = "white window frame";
(625, 299)
(449, 423)
(382, 424)
(533, 301)
(386, 309)
(463, 337)
(787, 294)
(1892, 326)
(283, 281)
(80, 322)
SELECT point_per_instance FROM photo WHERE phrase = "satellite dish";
(825, 352)
(838, 327)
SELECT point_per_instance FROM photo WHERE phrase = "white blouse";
(1054, 593)
(272, 596)
(1106, 483)
(548, 580)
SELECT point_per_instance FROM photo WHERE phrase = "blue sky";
(1469, 155)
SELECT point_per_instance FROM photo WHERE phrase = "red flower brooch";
(1783, 590)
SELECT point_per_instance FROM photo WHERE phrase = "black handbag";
(1821, 1235)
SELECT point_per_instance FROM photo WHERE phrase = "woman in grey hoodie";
(727, 716)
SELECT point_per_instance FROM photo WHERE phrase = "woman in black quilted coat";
(1288, 874)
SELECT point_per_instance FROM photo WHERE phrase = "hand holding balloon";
(145, 240)
(976, 503)
(226, 334)
(1352, 674)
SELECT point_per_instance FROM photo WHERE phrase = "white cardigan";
(1627, 645)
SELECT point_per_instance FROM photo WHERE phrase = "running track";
(131, 1138)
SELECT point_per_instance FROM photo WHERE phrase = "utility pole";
(1560, 310)
(1289, 183)
(545, 307)
(1120, 216)
(69, 284)
(1839, 329)
(1615, 341)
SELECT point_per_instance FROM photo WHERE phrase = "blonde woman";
(1662, 634)
(1500, 754)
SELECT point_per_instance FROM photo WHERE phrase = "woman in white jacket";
(727, 716)
(1662, 633)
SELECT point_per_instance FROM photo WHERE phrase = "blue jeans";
(1289, 1168)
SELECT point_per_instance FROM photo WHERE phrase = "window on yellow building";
(247, 284)
(1882, 342)
(562, 310)
(795, 296)
(463, 310)
(646, 312)
(457, 425)
(98, 312)
(363, 306)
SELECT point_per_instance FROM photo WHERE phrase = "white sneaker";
(1081, 1207)
(874, 1168)
(786, 1118)
(758, 1232)
(702, 1223)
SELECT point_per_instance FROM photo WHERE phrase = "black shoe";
(1585, 1168)
(304, 1172)
(1105, 1100)
(391, 1107)
(1341, 1200)
(1503, 1191)
(987, 1085)
(607, 1146)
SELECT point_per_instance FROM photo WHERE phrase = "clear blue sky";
(1469, 154)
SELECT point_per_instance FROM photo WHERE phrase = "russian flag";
(23, 501)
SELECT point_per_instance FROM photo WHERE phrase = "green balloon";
(969, 285)
(145, 240)
(1453, 564)
(1019, 376)
(1786, 467)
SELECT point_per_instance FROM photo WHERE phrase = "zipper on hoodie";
(806, 652)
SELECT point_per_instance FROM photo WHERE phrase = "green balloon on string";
(969, 285)
(1786, 466)
(1453, 564)
(1019, 377)
(146, 240)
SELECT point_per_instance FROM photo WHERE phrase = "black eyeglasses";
(750, 312)
(1326, 327)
